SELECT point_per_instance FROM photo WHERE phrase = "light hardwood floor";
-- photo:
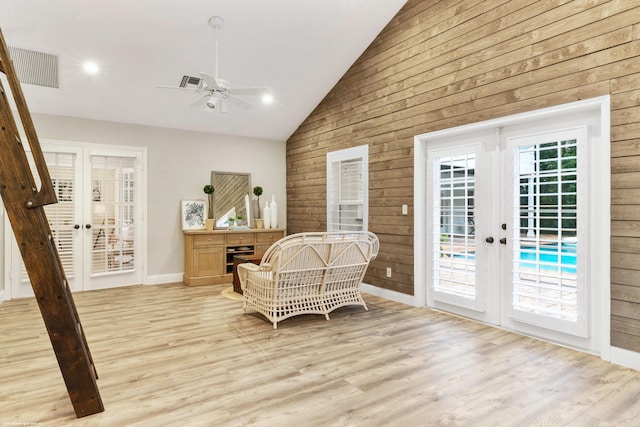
(173, 355)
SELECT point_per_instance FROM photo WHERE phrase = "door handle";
(489, 240)
(88, 226)
(503, 240)
(76, 226)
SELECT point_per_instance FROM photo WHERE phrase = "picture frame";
(193, 213)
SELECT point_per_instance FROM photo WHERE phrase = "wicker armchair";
(308, 273)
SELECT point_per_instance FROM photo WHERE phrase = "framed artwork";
(193, 214)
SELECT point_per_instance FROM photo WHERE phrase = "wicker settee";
(308, 273)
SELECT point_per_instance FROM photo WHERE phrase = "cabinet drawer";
(269, 237)
(240, 238)
(208, 240)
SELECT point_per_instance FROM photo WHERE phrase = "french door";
(96, 222)
(506, 225)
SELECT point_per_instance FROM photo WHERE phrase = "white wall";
(179, 164)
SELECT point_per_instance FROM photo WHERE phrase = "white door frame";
(601, 163)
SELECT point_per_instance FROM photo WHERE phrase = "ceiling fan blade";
(209, 80)
(199, 103)
(240, 102)
(249, 91)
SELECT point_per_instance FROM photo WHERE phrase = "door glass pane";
(545, 249)
(60, 215)
(113, 187)
(454, 227)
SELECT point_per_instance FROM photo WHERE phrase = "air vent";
(36, 68)
(191, 82)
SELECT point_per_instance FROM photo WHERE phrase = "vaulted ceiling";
(298, 49)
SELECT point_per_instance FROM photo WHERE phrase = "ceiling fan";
(214, 92)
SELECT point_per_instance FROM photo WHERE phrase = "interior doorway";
(98, 221)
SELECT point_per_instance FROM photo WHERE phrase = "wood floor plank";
(176, 355)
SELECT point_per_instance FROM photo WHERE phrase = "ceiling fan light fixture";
(267, 98)
(212, 102)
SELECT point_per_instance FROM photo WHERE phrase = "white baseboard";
(388, 294)
(160, 279)
(627, 358)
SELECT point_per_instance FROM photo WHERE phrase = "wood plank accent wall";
(440, 64)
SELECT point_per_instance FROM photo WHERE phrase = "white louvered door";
(113, 255)
(64, 165)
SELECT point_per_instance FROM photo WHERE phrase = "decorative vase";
(266, 215)
(259, 223)
(274, 212)
(209, 222)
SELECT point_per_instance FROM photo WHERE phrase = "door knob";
(88, 226)
(489, 240)
(504, 226)
(76, 226)
(503, 240)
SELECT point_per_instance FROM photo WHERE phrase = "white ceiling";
(298, 49)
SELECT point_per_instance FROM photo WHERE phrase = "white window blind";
(347, 189)
(454, 263)
(60, 215)
(545, 280)
(113, 212)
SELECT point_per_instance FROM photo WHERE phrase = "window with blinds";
(347, 189)
(113, 212)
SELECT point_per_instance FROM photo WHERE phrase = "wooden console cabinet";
(208, 255)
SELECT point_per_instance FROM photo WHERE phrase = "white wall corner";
(390, 295)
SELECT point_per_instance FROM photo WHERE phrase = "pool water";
(546, 256)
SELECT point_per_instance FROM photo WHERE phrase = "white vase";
(266, 215)
(274, 212)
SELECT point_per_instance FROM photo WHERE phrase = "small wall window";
(347, 189)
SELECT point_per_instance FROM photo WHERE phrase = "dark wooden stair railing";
(24, 203)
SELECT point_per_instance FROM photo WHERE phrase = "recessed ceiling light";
(90, 67)
(267, 98)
